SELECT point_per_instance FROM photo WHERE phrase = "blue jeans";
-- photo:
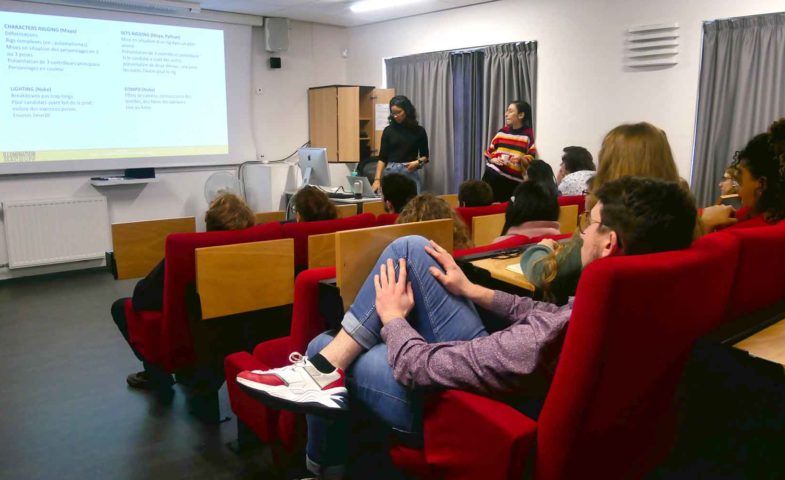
(401, 169)
(438, 316)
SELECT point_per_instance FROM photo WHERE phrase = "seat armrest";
(471, 436)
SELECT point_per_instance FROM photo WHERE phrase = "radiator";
(44, 232)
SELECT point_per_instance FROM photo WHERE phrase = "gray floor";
(65, 409)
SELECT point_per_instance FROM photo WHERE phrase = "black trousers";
(155, 374)
(502, 186)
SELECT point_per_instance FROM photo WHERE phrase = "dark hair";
(539, 171)
(777, 133)
(576, 159)
(526, 109)
(648, 214)
(533, 201)
(759, 159)
(475, 193)
(228, 212)
(398, 190)
(404, 104)
(312, 204)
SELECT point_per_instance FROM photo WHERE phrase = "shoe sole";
(307, 407)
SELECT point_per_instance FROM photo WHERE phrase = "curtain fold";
(740, 93)
(510, 73)
(427, 81)
(468, 143)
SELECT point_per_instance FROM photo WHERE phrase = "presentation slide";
(81, 89)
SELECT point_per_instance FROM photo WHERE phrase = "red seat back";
(384, 219)
(758, 281)
(610, 410)
(300, 231)
(307, 322)
(176, 344)
(467, 213)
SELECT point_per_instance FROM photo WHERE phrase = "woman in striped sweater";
(511, 151)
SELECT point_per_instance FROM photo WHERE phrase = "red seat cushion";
(579, 200)
(300, 231)
(144, 337)
(384, 219)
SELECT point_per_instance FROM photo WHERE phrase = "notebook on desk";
(514, 267)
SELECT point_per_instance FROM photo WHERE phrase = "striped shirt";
(514, 149)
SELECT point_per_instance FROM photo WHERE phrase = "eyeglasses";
(585, 221)
(398, 114)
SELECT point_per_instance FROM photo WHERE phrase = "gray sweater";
(516, 360)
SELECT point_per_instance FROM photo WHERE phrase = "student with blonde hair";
(429, 207)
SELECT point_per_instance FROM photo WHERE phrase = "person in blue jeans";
(414, 325)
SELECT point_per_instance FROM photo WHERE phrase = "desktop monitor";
(313, 166)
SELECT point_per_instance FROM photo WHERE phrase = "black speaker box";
(275, 62)
(139, 173)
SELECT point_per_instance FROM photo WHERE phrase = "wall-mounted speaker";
(275, 62)
(276, 34)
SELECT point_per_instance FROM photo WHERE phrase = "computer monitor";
(313, 166)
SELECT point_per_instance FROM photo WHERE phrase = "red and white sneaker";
(299, 387)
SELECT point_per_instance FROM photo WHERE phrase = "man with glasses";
(414, 325)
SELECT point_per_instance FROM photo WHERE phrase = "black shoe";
(139, 380)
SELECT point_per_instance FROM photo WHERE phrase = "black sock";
(321, 363)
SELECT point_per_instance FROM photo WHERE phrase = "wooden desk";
(497, 268)
(768, 344)
(139, 246)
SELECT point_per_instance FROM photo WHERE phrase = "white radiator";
(43, 232)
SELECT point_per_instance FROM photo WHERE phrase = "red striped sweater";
(514, 149)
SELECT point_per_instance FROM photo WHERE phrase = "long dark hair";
(404, 104)
(542, 173)
(759, 159)
(526, 109)
(533, 201)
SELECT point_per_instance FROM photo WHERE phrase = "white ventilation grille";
(44, 232)
(652, 45)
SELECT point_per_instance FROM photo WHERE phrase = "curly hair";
(777, 136)
(759, 159)
(312, 204)
(404, 104)
(228, 212)
(429, 207)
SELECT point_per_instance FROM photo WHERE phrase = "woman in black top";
(404, 146)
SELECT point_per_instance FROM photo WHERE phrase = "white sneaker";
(299, 387)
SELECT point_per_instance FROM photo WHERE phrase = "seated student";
(312, 204)
(475, 193)
(577, 166)
(429, 207)
(761, 183)
(227, 212)
(729, 188)
(539, 171)
(397, 190)
(533, 211)
(388, 360)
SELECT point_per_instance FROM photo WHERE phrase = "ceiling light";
(371, 5)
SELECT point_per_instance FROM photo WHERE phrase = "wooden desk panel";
(346, 210)
(321, 250)
(376, 207)
(245, 277)
(769, 343)
(451, 199)
(497, 267)
(485, 228)
(568, 218)
(357, 251)
(139, 246)
(265, 217)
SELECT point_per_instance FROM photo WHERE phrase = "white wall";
(280, 126)
(583, 88)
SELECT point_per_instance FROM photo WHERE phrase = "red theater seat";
(300, 231)
(386, 219)
(467, 213)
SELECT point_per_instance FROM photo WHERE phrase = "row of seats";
(610, 409)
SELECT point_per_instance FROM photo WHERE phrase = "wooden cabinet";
(341, 118)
